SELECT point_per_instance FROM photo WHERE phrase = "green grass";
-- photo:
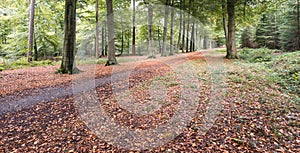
(23, 63)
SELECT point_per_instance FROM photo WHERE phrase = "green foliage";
(267, 34)
(289, 32)
(287, 70)
(257, 55)
(247, 38)
(280, 68)
(23, 63)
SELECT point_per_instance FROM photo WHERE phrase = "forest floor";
(235, 110)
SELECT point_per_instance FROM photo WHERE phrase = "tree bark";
(231, 44)
(111, 34)
(180, 29)
(172, 29)
(192, 40)
(183, 33)
(187, 33)
(68, 53)
(150, 31)
(35, 57)
(224, 20)
(103, 41)
(31, 31)
(164, 47)
(158, 39)
(133, 29)
(298, 25)
(97, 30)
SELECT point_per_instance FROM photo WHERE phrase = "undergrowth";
(23, 63)
(273, 66)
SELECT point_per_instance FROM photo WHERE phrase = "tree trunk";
(192, 46)
(231, 44)
(150, 31)
(180, 29)
(187, 33)
(36, 50)
(103, 41)
(224, 20)
(122, 44)
(298, 25)
(158, 38)
(97, 30)
(31, 31)
(164, 47)
(111, 34)
(133, 29)
(172, 29)
(68, 53)
(183, 33)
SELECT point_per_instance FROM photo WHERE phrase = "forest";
(150, 76)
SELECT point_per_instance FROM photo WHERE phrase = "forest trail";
(23, 88)
(252, 115)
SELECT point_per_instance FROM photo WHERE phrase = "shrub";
(257, 55)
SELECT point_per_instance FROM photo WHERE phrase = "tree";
(68, 53)
(267, 34)
(31, 31)
(133, 29)
(172, 29)
(150, 31)
(290, 28)
(164, 47)
(97, 29)
(224, 20)
(111, 34)
(247, 38)
(180, 27)
(231, 43)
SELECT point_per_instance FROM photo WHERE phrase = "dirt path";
(43, 113)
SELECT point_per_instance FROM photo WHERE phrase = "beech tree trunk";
(111, 58)
(97, 30)
(150, 31)
(172, 29)
(298, 25)
(187, 33)
(31, 31)
(180, 29)
(133, 29)
(103, 41)
(192, 40)
(68, 53)
(164, 47)
(224, 20)
(35, 57)
(183, 33)
(231, 44)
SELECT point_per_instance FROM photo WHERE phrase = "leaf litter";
(256, 116)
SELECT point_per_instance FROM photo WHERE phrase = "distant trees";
(290, 27)
(278, 27)
(267, 32)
